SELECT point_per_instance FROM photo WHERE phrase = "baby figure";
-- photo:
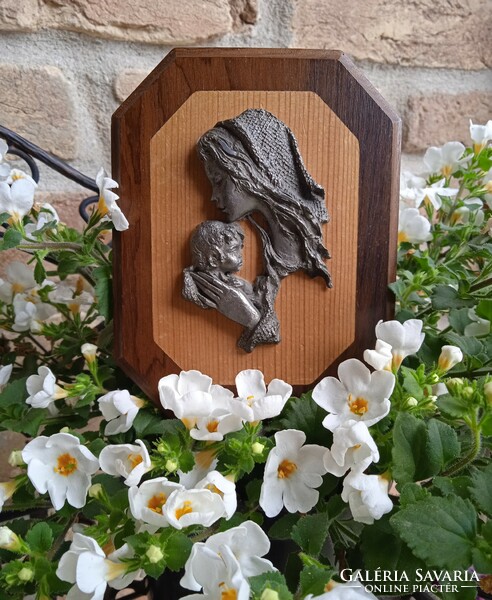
(217, 253)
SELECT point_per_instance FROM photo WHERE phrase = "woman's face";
(230, 199)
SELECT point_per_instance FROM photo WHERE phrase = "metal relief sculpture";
(254, 166)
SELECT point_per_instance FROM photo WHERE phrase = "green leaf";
(178, 549)
(442, 445)
(481, 489)
(40, 538)
(484, 309)
(469, 345)
(453, 406)
(282, 528)
(148, 423)
(409, 448)
(310, 533)
(68, 264)
(446, 297)
(459, 319)
(104, 292)
(412, 492)
(439, 531)
(304, 414)
(383, 549)
(460, 486)
(14, 393)
(11, 239)
(314, 578)
(272, 580)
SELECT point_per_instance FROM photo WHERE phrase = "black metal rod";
(17, 141)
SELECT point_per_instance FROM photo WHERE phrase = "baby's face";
(232, 255)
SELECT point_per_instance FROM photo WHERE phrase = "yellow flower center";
(17, 176)
(134, 459)
(157, 502)
(102, 207)
(188, 423)
(228, 593)
(79, 286)
(249, 400)
(213, 488)
(212, 426)
(185, 509)
(359, 406)
(285, 469)
(66, 464)
(447, 171)
(74, 308)
(402, 237)
(17, 288)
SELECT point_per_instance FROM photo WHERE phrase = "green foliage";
(272, 580)
(439, 531)
(310, 533)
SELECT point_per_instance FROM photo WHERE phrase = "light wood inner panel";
(317, 323)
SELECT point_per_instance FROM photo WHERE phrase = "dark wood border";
(330, 74)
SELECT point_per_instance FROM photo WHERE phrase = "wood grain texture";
(317, 324)
(140, 333)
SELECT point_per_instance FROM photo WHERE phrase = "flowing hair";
(260, 154)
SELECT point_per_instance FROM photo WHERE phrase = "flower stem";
(50, 246)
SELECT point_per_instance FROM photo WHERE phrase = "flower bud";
(171, 465)
(487, 390)
(269, 594)
(467, 392)
(257, 448)
(455, 385)
(154, 554)
(450, 356)
(411, 401)
(95, 490)
(89, 352)
(26, 574)
(434, 378)
(15, 458)
(65, 430)
(9, 540)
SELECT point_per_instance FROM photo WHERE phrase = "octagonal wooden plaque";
(349, 140)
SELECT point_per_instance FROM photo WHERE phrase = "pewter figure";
(254, 166)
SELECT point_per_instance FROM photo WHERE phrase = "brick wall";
(66, 64)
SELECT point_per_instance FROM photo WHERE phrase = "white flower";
(147, 501)
(5, 373)
(445, 160)
(75, 295)
(478, 327)
(351, 590)
(43, 390)
(205, 462)
(487, 184)
(46, 214)
(292, 472)
(353, 446)
(89, 352)
(120, 409)
(17, 199)
(260, 402)
(413, 227)
(380, 358)
(220, 420)
(220, 575)
(107, 201)
(218, 484)
(409, 189)
(193, 507)
(19, 279)
(404, 338)
(61, 466)
(86, 565)
(131, 461)
(367, 496)
(439, 389)
(193, 399)
(449, 357)
(432, 194)
(247, 542)
(359, 395)
(7, 490)
(4, 167)
(30, 313)
(480, 135)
